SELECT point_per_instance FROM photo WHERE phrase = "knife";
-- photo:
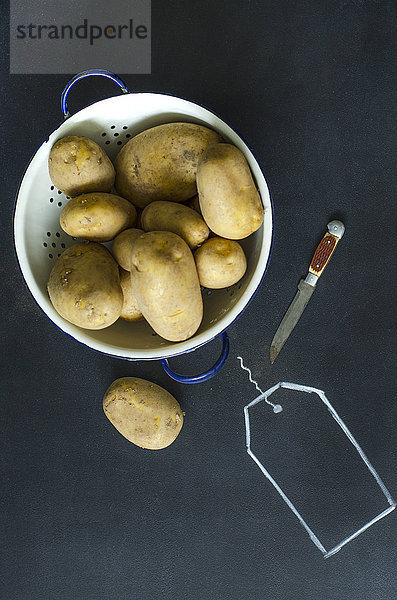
(306, 286)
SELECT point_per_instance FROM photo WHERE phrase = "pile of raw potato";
(198, 197)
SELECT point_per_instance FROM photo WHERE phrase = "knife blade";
(306, 287)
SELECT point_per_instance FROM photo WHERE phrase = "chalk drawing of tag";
(313, 461)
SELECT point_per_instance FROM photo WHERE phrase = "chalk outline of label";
(303, 388)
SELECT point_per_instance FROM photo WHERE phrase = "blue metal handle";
(82, 75)
(203, 376)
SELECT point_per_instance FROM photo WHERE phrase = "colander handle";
(82, 75)
(207, 374)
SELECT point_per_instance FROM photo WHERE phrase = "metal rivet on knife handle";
(306, 286)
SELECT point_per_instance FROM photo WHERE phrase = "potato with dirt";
(220, 263)
(229, 201)
(122, 246)
(97, 216)
(143, 412)
(78, 165)
(130, 310)
(84, 286)
(160, 163)
(178, 218)
(166, 285)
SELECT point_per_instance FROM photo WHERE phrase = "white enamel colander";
(39, 239)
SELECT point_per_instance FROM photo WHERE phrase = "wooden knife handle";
(326, 248)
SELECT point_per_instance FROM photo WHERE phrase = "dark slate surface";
(86, 515)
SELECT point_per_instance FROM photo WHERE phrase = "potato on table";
(178, 218)
(130, 310)
(84, 286)
(166, 284)
(229, 201)
(160, 163)
(220, 263)
(122, 246)
(77, 165)
(97, 216)
(143, 412)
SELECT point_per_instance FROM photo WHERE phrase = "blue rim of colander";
(83, 75)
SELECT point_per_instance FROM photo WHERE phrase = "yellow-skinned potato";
(77, 165)
(160, 163)
(229, 201)
(166, 285)
(194, 203)
(143, 412)
(97, 216)
(130, 310)
(84, 286)
(122, 246)
(220, 263)
(178, 218)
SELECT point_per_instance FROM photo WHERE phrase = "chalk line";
(346, 431)
(276, 407)
(249, 375)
